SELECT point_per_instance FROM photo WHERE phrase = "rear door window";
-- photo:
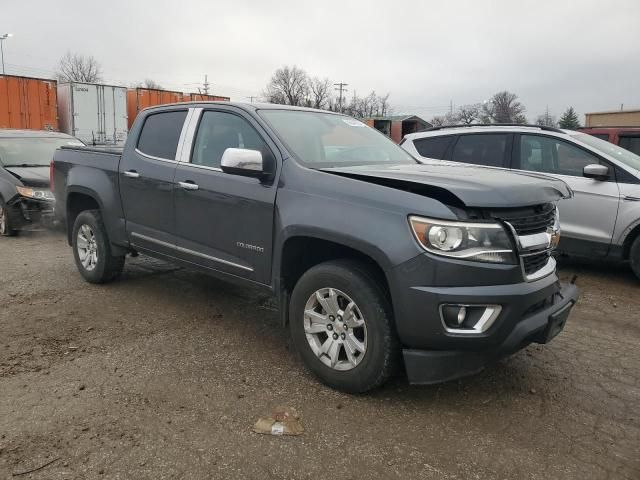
(551, 155)
(160, 134)
(482, 149)
(631, 143)
(433, 147)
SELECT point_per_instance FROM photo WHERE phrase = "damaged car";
(376, 261)
(26, 200)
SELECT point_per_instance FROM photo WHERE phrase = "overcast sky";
(424, 53)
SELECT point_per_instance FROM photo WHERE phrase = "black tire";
(356, 280)
(634, 257)
(6, 228)
(107, 267)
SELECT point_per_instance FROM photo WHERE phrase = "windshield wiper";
(25, 165)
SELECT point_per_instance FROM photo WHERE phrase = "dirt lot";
(163, 373)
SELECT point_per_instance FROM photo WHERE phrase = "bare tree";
(384, 106)
(444, 120)
(75, 67)
(468, 114)
(151, 84)
(320, 92)
(369, 106)
(289, 86)
(503, 107)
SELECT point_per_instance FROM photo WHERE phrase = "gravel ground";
(163, 373)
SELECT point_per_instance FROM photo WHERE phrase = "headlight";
(36, 193)
(480, 242)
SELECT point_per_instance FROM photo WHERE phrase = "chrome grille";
(531, 227)
(529, 221)
(535, 261)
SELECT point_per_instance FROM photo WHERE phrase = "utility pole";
(340, 89)
(450, 107)
(3, 37)
(206, 85)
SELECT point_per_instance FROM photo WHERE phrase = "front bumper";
(435, 366)
(28, 214)
(432, 354)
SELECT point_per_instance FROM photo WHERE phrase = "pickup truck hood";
(31, 176)
(462, 184)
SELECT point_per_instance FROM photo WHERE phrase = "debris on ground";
(282, 421)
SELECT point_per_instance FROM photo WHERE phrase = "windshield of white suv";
(322, 140)
(31, 151)
(625, 156)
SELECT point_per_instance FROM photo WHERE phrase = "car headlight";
(480, 242)
(35, 193)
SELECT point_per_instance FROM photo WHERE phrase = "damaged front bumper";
(436, 366)
(30, 214)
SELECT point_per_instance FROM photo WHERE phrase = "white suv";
(601, 220)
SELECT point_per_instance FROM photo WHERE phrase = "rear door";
(86, 117)
(588, 219)
(147, 172)
(492, 149)
(224, 222)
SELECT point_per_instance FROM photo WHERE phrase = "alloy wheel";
(87, 246)
(335, 329)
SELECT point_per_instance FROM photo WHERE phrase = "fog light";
(468, 319)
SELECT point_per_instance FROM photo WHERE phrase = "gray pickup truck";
(373, 258)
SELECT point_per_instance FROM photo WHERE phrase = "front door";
(225, 222)
(146, 182)
(588, 219)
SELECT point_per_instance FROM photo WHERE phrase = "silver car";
(602, 220)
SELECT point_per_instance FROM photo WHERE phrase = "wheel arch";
(628, 241)
(78, 200)
(302, 251)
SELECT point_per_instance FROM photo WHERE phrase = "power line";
(206, 85)
(340, 89)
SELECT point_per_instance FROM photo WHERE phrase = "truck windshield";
(625, 156)
(31, 151)
(322, 140)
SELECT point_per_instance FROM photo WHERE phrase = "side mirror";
(241, 161)
(596, 171)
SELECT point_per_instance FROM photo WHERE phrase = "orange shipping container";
(141, 98)
(28, 103)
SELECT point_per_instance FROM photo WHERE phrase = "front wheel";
(634, 257)
(341, 324)
(92, 250)
(6, 228)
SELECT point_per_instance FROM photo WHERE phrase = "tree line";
(75, 67)
(503, 107)
(291, 85)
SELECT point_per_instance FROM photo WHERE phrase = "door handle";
(188, 185)
(131, 174)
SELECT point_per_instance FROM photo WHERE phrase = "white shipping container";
(96, 114)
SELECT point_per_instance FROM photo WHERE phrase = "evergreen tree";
(569, 120)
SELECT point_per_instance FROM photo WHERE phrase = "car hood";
(31, 176)
(465, 185)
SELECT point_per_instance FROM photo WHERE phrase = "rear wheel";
(6, 229)
(92, 250)
(341, 325)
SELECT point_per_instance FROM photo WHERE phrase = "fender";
(104, 190)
